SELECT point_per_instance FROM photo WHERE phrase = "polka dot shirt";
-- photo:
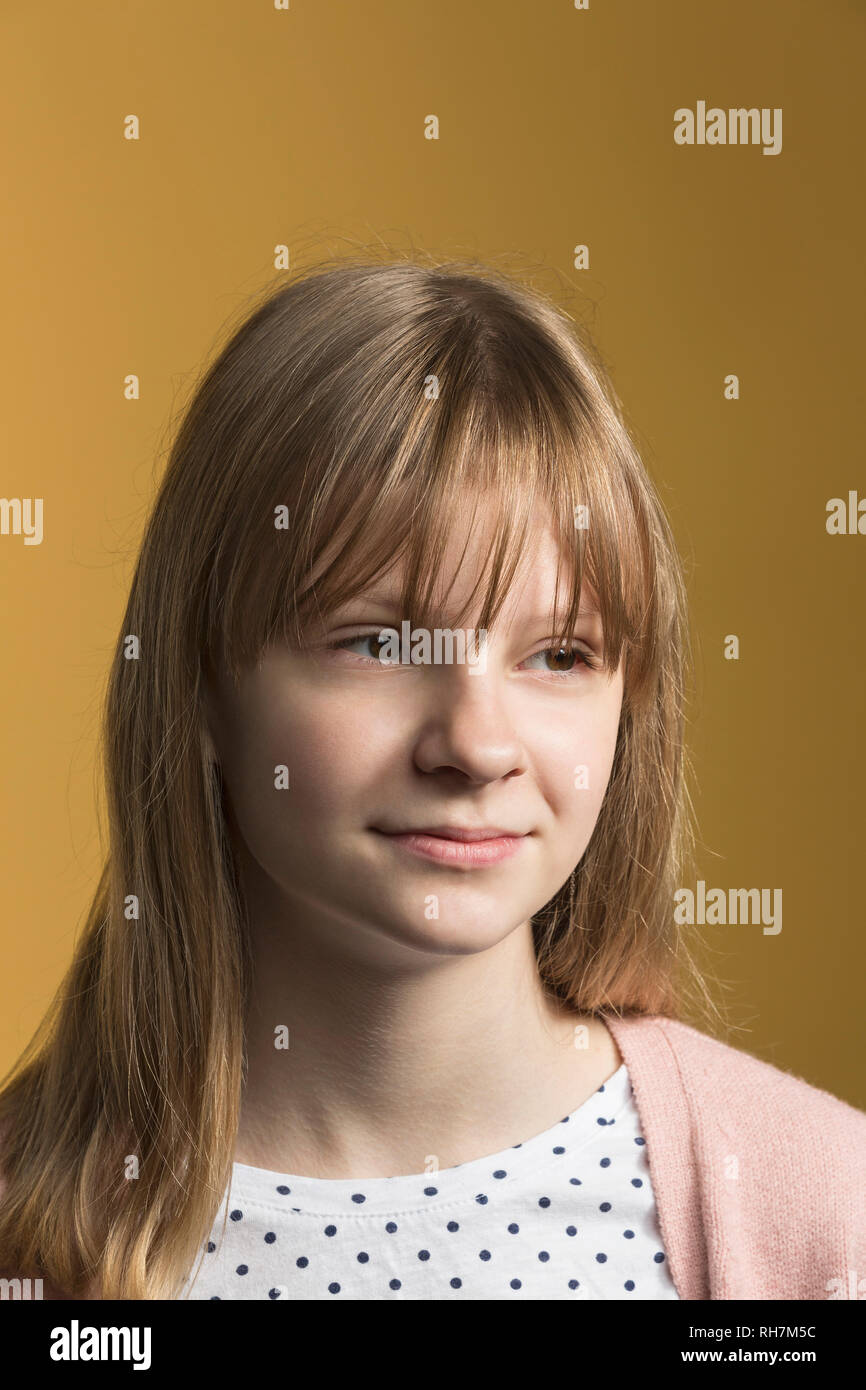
(567, 1214)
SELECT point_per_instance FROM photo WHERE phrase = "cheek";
(576, 756)
(330, 748)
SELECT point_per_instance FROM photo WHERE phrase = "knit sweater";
(759, 1177)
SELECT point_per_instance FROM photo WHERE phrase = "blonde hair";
(361, 395)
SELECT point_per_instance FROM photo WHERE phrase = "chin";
(461, 927)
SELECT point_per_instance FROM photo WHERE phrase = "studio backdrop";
(685, 179)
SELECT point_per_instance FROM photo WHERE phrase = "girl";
(381, 995)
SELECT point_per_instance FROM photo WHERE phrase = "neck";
(395, 1053)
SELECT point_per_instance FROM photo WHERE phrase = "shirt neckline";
(478, 1179)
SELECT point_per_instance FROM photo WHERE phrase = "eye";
(564, 661)
(364, 639)
(567, 660)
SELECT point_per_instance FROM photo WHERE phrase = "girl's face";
(518, 749)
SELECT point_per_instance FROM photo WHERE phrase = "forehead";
(533, 598)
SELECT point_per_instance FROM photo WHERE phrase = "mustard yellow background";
(306, 127)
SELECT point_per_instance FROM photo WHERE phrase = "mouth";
(458, 845)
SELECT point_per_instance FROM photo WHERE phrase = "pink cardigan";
(759, 1177)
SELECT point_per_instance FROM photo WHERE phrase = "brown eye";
(562, 661)
(564, 658)
(376, 647)
(371, 640)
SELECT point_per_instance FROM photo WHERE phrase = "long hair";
(354, 399)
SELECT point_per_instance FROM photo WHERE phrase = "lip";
(459, 845)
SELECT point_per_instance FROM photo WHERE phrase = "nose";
(468, 728)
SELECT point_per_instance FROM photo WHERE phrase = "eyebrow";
(389, 599)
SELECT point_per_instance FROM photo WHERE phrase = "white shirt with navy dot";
(567, 1214)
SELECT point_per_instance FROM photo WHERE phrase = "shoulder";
(754, 1086)
(767, 1168)
(729, 1093)
(768, 1112)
